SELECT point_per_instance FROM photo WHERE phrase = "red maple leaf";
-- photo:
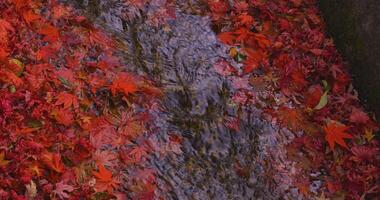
(245, 19)
(30, 17)
(358, 116)
(10, 77)
(3, 53)
(67, 100)
(5, 28)
(124, 83)
(227, 37)
(105, 180)
(290, 117)
(63, 116)
(50, 32)
(336, 133)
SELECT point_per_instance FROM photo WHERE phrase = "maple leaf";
(50, 32)
(5, 28)
(10, 77)
(105, 157)
(63, 190)
(35, 169)
(3, 53)
(243, 34)
(20, 3)
(241, 6)
(227, 37)
(102, 137)
(245, 19)
(363, 153)
(358, 116)
(336, 133)
(218, 6)
(224, 68)
(53, 160)
(63, 116)
(313, 96)
(103, 175)
(291, 117)
(105, 180)
(67, 100)
(31, 190)
(60, 11)
(45, 53)
(254, 57)
(66, 76)
(298, 79)
(30, 17)
(135, 155)
(124, 83)
(262, 40)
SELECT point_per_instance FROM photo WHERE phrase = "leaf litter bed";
(76, 125)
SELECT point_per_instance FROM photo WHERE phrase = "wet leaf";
(336, 133)
(322, 102)
(124, 83)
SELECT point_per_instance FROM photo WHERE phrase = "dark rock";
(355, 28)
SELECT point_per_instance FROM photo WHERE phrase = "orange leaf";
(30, 16)
(10, 77)
(105, 181)
(3, 53)
(60, 11)
(67, 100)
(5, 26)
(245, 19)
(63, 116)
(124, 83)
(335, 133)
(103, 175)
(50, 32)
(254, 57)
(243, 34)
(227, 38)
(53, 161)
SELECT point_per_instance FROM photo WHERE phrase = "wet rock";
(213, 161)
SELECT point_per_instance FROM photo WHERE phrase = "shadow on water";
(215, 162)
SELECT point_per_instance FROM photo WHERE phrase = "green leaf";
(322, 102)
(240, 57)
(20, 65)
(64, 81)
(12, 89)
(35, 124)
(326, 85)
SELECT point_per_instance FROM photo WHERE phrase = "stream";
(213, 161)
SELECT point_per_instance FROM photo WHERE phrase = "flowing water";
(213, 161)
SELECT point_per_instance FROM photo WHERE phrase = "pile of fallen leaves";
(301, 81)
(72, 119)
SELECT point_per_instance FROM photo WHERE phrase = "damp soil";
(213, 161)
